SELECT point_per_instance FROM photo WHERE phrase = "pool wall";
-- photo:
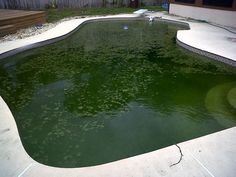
(207, 54)
(224, 17)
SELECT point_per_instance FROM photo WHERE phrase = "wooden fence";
(41, 4)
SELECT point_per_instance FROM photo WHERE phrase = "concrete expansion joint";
(203, 166)
(222, 27)
(25, 170)
(181, 156)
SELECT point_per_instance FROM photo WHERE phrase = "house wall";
(219, 15)
(199, 3)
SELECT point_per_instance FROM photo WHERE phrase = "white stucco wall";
(223, 17)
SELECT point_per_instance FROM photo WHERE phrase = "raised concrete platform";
(213, 155)
(204, 36)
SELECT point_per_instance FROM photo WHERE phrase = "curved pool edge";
(202, 38)
(209, 40)
(59, 32)
(206, 53)
(210, 155)
(231, 60)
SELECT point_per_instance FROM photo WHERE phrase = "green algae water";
(112, 90)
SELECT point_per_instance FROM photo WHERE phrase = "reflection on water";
(106, 93)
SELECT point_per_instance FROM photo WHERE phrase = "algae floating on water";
(105, 94)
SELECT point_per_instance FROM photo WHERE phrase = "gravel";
(34, 30)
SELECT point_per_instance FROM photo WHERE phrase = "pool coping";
(164, 162)
(199, 51)
(207, 54)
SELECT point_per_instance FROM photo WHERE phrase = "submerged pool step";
(231, 97)
(217, 103)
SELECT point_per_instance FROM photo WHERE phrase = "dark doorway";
(219, 3)
(134, 3)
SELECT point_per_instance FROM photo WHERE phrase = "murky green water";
(114, 90)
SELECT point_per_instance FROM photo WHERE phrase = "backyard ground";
(57, 14)
(196, 157)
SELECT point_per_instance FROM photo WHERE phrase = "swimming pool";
(112, 90)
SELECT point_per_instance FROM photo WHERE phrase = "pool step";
(217, 105)
(141, 11)
(231, 97)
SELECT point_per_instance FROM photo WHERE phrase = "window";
(219, 3)
(186, 1)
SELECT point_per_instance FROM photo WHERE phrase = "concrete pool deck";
(205, 38)
(212, 155)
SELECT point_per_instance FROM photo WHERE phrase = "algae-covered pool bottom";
(113, 90)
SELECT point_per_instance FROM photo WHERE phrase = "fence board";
(41, 4)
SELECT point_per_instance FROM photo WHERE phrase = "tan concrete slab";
(13, 158)
(154, 164)
(216, 152)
